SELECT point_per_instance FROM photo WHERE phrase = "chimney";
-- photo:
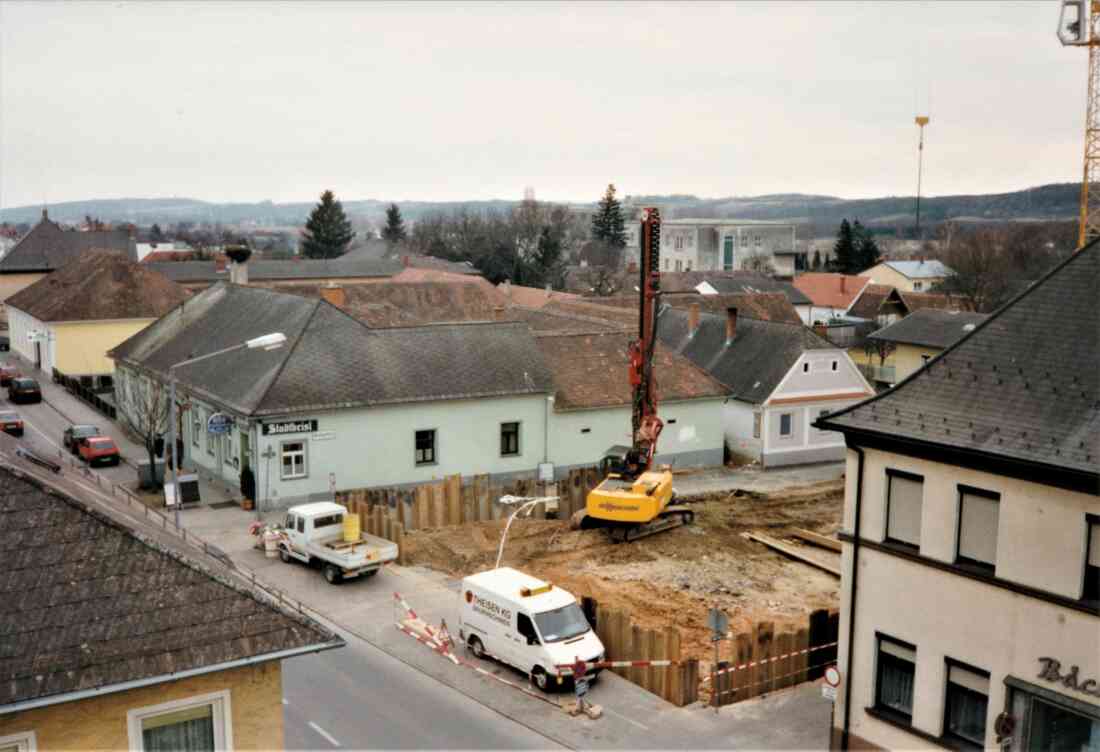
(45, 214)
(238, 263)
(405, 261)
(498, 313)
(507, 285)
(219, 264)
(334, 294)
(693, 319)
(843, 282)
(731, 324)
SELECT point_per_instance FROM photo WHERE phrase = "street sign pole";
(719, 623)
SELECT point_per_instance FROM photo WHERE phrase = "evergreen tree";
(867, 252)
(607, 224)
(328, 231)
(156, 234)
(547, 266)
(394, 231)
(844, 250)
(817, 261)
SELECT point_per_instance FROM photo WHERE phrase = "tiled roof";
(753, 364)
(926, 269)
(731, 282)
(590, 371)
(541, 320)
(930, 328)
(47, 247)
(916, 301)
(869, 301)
(765, 306)
(271, 269)
(830, 290)
(1022, 387)
(392, 303)
(99, 286)
(331, 360)
(90, 603)
(419, 261)
(532, 297)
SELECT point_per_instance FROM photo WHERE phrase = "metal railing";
(883, 374)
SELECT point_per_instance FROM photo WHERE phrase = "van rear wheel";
(476, 647)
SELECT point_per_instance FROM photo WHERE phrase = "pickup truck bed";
(362, 557)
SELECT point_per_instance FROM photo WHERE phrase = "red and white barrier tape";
(437, 647)
(567, 669)
(772, 659)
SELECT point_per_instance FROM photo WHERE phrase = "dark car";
(73, 435)
(24, 390)
(7, 373)
(11, 422)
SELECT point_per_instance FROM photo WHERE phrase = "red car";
(99, 449)
(7, 373)
(10, 422)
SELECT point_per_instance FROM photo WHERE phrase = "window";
(293, 460)
(586, 430)
(690, 241)
(679, 265)
(301, 524)
(209, 438)
(904, 500)
(977, 539)
(785, 424)
(24, 742)
(227, 449)
(897, 665)
(197, 723)
(756, 425)
(509, 439)
(756, 241)
(744, 241)
(666, 265)
(687, 265)
(1052, 726)
(965, 706)
(679, 242)
(196, 425)
(835, 365)
(917, 286)
(526, 629)
(425, 447)
(327, 520)
(806, 367)
(1091, 590)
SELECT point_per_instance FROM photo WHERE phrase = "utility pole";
(922, 120)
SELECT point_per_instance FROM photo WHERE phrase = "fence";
(87, 393)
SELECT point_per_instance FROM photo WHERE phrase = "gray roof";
(264, 269)
(759, 284)
(751, 367)
(89, 604)
(927, 269)
(47, 247)
(331, 360)
(930, 327)
(1024, 386)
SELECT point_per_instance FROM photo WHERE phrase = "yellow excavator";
(634, 499)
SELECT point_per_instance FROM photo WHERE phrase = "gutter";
(852, 593)
(85, 694)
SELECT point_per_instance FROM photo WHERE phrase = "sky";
(235, 101)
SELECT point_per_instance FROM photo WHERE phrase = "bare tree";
(760, 263)
(601, 281)
(143, 406)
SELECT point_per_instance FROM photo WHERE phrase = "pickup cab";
(315, 533)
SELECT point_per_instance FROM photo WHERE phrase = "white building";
(728, 245)
(779, 377)
(970, 607)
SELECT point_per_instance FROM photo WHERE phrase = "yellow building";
(913, 341)
(909, 276)
(182, 660)
(69, 319)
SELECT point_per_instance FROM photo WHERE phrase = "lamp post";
(267, 342)
(528, 503)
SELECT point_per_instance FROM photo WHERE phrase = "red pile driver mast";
(647, 426)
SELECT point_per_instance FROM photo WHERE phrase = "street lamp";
(528, 503)
(267, 342)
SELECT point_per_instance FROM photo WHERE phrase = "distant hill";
(1055, 201)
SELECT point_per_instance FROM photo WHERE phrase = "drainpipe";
(852, 600)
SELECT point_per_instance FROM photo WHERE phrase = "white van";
(527, 623)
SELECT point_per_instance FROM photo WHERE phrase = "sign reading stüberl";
(290, 426)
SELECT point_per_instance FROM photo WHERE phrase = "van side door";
(526, 641)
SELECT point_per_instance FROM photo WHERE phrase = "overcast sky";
(243, 102)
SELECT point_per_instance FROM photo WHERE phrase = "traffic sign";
(219, 423)
(718, 622)
(832, 676)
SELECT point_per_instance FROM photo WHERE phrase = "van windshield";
(562, 623)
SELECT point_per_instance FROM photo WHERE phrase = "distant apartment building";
(728, 245)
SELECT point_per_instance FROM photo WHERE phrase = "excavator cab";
(622, 461)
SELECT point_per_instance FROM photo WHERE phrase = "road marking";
(322, 732)
(642, 726)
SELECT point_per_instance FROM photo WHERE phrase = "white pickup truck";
(315, 532)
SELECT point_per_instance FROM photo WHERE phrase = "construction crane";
(634, 500)
(1078, 24)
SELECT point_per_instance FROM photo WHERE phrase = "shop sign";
(289, 426)
(219, 423)
(1051, 671)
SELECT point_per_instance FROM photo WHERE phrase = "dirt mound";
(672, 578)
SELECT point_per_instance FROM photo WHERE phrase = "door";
(727, 253)
(246, 452)
(38, 355)
(526, 643)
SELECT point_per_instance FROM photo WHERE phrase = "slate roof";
(731, 282)
(831, 290)
(331, 360)
(47, 247)
(541, 320)
(1022, 387)
(532, 297)
(90, 603)
(930, 328)
(753, 364)
(590, 371)
(765, 306)
(921, 269)
(99, 286)
(420, 261)
(271, 269)
(870, 300)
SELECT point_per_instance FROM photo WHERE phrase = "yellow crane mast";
(1078, 26)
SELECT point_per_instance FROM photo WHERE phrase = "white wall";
(1041, 544)
(20, 324)
(737, 419)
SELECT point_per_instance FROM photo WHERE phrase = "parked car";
(73, 434)
(22, 389)
(11, 422)
(7, 373)
(99, 450)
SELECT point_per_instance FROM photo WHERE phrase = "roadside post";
(828, 691)
(719, 624)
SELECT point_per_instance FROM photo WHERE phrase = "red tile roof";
(831, 290)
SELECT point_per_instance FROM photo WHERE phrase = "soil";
(671, 578)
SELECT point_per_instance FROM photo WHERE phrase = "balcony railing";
(881, 374)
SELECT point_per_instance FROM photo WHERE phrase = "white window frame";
(790, 424)
(24, 741)
(305, 459)
(223, 717)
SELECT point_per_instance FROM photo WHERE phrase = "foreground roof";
(90, 604)
(590, 371)
(831, 290)
(930, 328)
(47, 247)
(273, 269)
(1019, 391)
(753, 364)
(99, 286)
(331, 360)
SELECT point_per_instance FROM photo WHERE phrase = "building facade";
(911, 276)
(970, 606)
(728, 245)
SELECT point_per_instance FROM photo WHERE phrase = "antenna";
(921, 120)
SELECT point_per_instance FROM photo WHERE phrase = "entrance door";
(246, 453)
(38, 355)
(727, 253)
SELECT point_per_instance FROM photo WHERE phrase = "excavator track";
(672, 517)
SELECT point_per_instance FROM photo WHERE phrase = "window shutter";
(1094, 544)
(969, 679)
(898, 651)
(905, 510)
(978, 528)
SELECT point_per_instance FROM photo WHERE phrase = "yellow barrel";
(351, 528)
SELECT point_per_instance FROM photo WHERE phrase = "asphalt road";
(358, 697)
